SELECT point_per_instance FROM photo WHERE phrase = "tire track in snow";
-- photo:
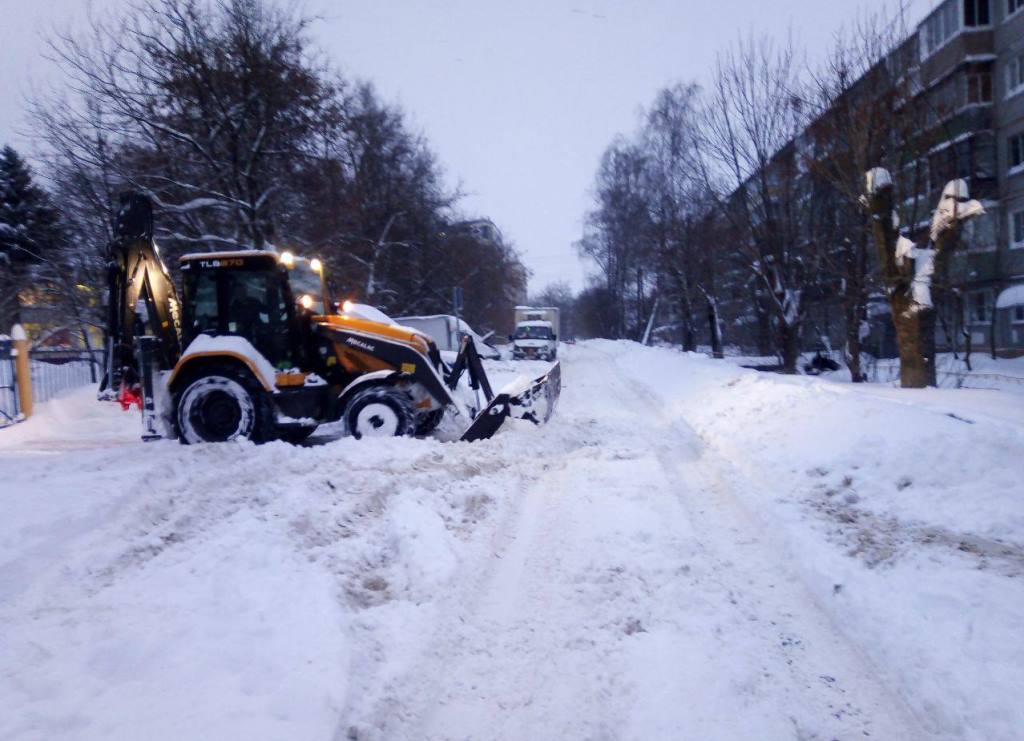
(827, 674)
(626, 604)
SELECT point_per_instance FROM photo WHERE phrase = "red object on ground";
(126, 397)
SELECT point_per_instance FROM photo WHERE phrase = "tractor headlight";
(347, 307)
(315, 265)
(287, 259)
(306, 301)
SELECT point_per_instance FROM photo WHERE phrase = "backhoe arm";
(137, 272)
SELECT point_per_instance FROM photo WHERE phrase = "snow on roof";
(534, 323)
(1012, 296)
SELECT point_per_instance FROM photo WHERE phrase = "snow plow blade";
(535, 400)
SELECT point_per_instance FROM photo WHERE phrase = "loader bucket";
(533, 400)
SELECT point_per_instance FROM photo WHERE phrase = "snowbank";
(613, 574)
(225, 591)
(903, 508)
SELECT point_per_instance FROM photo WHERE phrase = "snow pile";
(687, 550)
(903, 508)
(233, 345)
(225, 591)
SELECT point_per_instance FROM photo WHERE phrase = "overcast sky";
(518, 98)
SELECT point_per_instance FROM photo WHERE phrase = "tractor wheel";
(221, 405)
(427, 423)
(380, 411)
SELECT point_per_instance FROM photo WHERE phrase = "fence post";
(22, 369)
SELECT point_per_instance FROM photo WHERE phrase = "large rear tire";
(380, 411)
(221, 405)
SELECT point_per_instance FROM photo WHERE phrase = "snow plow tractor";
(257, 350)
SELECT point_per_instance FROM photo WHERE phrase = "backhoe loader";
(257, 350)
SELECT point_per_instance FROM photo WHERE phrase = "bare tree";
(560, 294)
(618, 237)
(682, 213)
(863, 102)
(210, 110)
(907, 268)
(753, 116)
(222, 113)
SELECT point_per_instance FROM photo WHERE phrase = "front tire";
(221, 406)
(380, 411)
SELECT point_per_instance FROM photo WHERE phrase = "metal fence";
(8, 390)
(55, 370)
(888, 371)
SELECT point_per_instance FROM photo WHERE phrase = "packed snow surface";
(688, 550)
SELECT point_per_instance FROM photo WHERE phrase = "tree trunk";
(789, 346)
(689, 335)
(968, 346)
(855, 317)
(911, 320)
(853, 345)
(906, 273)
(915, 335)
(715, 326)
(992, 326)
(764, 327)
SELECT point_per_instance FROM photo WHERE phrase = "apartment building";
(963, 65)
(971, 70)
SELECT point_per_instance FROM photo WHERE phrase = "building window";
(979, 87)
(979, 307)
(1012, 6)
(1016, 147)
(984, 156)
(940, 27)
(980, 233)
(1017, 229)
(1015, 74)
(976, 13)
(1018, 314)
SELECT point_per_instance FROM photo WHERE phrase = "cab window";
(201, 303)
(258, 311)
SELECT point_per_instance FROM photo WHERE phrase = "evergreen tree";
(28, 233)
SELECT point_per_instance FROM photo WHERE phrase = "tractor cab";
(262, 297)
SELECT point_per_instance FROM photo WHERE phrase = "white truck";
(536, 333)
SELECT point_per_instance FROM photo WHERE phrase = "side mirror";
(554, 338)
(511, 338)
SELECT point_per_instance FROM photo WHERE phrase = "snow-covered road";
(659, 562)
(636, 599)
